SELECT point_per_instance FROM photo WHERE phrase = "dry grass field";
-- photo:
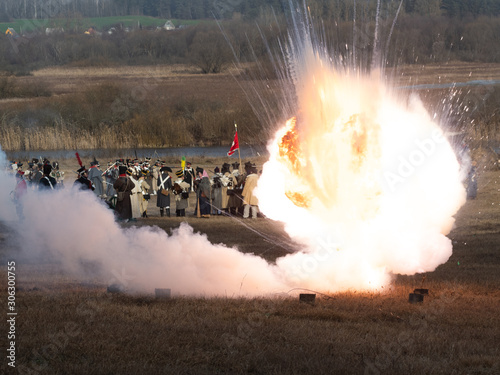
(63, 80)
(67, 325)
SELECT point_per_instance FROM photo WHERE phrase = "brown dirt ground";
(69, 326)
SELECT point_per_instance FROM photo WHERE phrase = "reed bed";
(172, 106)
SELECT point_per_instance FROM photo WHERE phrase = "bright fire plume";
(365, 181)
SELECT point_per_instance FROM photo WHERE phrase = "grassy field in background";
(101, 23)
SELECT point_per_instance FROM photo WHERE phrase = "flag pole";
(239, 155)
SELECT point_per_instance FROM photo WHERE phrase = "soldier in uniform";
(57, 174)
(111, 176)
(35, 179)
(123, 186)
(189, 175)
(235, 200)
(250, 201)
(217, 192)
(47, 182)
(228, 182)
(144, 194)
(155, 171)
(203, 193)
(95, 175)
(82, 182)
(164, 185)
(181, 191)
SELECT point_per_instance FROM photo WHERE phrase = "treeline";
(340, 10)
(203, 45)
(414, 39)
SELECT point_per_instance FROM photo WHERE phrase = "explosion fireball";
(364, 179)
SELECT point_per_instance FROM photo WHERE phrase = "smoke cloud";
(79, 232)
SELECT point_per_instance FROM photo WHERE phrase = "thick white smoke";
(79, 232)
(7, 184)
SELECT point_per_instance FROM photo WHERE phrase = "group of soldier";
(130, 186)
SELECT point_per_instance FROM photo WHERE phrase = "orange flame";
(291, 154)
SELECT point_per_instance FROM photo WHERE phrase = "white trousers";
(246, 211)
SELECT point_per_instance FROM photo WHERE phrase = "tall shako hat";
(47, 168)
(122, 169)
(225, 168)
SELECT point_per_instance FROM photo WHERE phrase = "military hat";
(165, 169)
(199, 170)
(122, 169)
(81, 170)
(236, 165)
(225, 167)
(47, 168)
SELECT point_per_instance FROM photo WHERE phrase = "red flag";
(235, 145)
(78, 158)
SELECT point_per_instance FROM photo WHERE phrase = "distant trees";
(209, 50)
(249, 9)
(420, 36)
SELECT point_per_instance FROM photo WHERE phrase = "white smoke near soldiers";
(72, 227)
(76, 230)
(7, 185)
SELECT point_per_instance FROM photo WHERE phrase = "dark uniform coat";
(163, 201)
(124, 207)
(47, 183)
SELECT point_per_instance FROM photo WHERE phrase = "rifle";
(103, 173)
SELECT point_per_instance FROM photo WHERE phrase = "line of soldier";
(36, 172)
(226, 192)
